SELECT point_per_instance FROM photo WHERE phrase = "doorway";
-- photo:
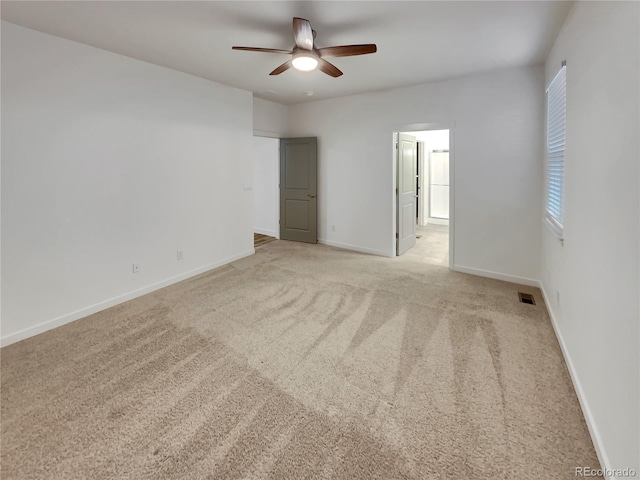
(284, 188)
(433, 187)
(266, 193)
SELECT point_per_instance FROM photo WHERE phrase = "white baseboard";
(264, 231)
(584, 404)
(91, 309)
(356, 248)
(586, 410)
(497, 276)
(437, 221)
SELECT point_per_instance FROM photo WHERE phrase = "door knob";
(311, 196)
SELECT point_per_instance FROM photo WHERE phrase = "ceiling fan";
(306, 57)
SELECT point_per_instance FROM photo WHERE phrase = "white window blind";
(556, 122)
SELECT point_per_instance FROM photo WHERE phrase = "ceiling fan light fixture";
(305, 62)
(305, 57)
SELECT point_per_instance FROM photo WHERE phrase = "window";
(556, 120)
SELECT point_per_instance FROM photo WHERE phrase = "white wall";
(107, 161)
(266, 176)
(270, 122)
(433, 139)
(498, 121)
(269, 118)
(596, 271)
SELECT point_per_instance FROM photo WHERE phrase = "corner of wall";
(270, 119)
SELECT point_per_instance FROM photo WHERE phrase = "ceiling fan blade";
(348, 50)
(302, 33)
(256, 49)
(328, 68)
(285, 66)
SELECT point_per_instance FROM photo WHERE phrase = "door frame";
(417, 127)
(422, 185)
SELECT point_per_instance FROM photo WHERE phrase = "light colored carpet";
(302, 361)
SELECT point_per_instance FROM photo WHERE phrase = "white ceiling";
(417, 41)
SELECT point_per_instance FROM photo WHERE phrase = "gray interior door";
(298, 189)
(406, 173)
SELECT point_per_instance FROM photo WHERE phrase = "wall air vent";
(526, 298)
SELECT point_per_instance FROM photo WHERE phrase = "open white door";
(406, 201)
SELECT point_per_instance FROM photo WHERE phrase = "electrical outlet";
(136, 267)
(333, 228)
(558, 297)
(180, 256)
